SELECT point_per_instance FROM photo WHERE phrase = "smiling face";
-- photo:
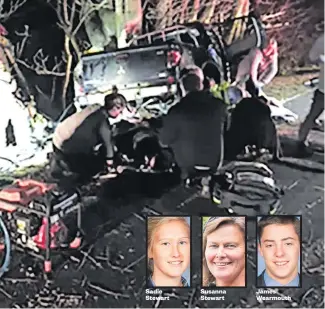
(170, 249)
(280, 248)
(225, 255)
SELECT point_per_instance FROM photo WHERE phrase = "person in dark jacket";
(193, 128)
(82, 143)
(251, 125)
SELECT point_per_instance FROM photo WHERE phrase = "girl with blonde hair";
(168, 251)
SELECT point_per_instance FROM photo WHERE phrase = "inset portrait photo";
(168, 251)
(224, 251)
(279, 251)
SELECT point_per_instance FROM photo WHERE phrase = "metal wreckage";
(147, 73)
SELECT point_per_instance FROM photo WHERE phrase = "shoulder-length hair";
(153, 224)
(212, 225)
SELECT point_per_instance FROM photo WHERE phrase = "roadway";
(111, 272)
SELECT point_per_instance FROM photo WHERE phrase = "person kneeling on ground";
(82, 143)
(141, 148)
(193, 128)
(251, 126)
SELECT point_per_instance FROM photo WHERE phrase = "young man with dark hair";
(279, 240)
(82, 143)
(193, 128)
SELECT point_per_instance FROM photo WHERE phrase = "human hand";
(110, 166)
(110, 162)
(259, 85)
(212, 82)
(150, 162)
(134, 26)
(145, 124)
(134, 120)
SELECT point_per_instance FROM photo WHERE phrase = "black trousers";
(252, 89)
(71, 170)
(317, 107)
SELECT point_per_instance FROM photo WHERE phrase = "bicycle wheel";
(5, 248)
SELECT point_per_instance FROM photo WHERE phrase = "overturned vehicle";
(147, 72)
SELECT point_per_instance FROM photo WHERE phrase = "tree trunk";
(67, 71)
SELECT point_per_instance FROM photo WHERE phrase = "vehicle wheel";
(5, 248)
(7, 165)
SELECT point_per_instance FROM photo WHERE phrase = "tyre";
(7, 165)
(5, 248)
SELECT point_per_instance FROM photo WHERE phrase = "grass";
(8, 177)
(283, 87)
(204, 221)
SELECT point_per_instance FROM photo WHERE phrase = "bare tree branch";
(19, 48)
(40, 63)
(71, 16)
(13, 7)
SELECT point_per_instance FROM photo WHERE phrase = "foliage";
(293, 23)
(204, 220)
(26, 172)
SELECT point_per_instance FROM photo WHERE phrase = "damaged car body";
(151, 64)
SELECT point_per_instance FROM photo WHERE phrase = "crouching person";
(82, 143)
(193, 129)
(252, 129)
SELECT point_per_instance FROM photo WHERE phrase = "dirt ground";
(111, 270)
